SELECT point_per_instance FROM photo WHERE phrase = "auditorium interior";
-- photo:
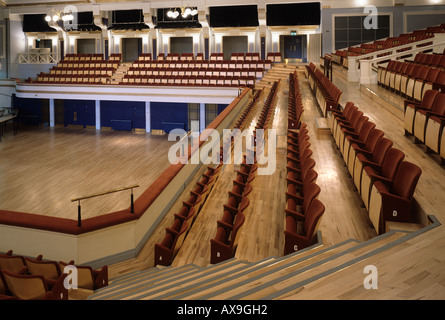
(222, 150)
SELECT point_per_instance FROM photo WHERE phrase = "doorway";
(294, 47)
(131, 49)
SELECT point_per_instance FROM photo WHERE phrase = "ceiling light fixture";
(55, 16)
(185, 12)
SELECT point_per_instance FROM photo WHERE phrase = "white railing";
(39, 58)
(360, 68)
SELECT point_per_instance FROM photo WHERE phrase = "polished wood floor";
(42, 169)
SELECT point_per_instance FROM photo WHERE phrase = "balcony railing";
(38, 56)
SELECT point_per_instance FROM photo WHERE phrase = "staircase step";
(141, 279)
(284, 264)
(284, 282)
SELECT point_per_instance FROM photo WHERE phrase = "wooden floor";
(412, 269)
(42, 169)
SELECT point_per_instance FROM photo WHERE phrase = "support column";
(202, 117)
(98, 124)
(147, 116)
(51, 113)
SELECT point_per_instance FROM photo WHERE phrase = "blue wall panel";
(122, 110)
(168, 116)
(80, 112)
(30, 110)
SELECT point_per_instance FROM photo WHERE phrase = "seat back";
(406, 179)
(48, 269)
(11, 263)
(439, 104)
(313, 218)
(26, 287)
(85, 276)
(366, 129)
(312, 191)
(391, 163)
(428, 99)
(381, 149)
(373, 137)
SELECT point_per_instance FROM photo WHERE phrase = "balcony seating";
(394, 201)
(385, 171)
(34, 287)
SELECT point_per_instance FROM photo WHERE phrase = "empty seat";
(87, 277)
(166, 250)
(376, 160)
(366, 147)
(435, 124)
(34, 287)
(411, 108)
(394, 201)
(297, 238)
(422, 116)
(223, 246)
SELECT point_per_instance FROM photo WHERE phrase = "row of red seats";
(431, 59)
(225, 242)
(190, 81)
(295, 104)
(166, 250)
(425, 121)
(266, 115)
(384, 180)
(227, 64)
(304, 210)
(71, 79)
(25, 278)
(326, 93)
(235, 72)
(341, 56)
(410, 79)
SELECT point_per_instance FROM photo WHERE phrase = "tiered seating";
(224, 244)
(183, 70)
(26, 278)
(303, 210)
(266, 116)
(341, 56)
(375, 167)
(411, 79)
(274, 56)
(81, 68)
(295, 105)
(326, 93)
(426, 121)
(166, 251)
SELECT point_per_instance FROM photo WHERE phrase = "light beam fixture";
(185, 12)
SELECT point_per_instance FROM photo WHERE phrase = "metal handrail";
(79, 210)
